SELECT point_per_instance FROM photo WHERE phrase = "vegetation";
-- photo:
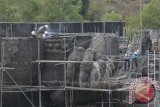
(151, 15)
(40, 10)
(112, 16)
(78, 10)
(150, 18)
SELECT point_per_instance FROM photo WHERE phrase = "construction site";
(75, 64)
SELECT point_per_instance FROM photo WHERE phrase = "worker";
(41, 32)
(134, 61)
(126, 62)
(42, 29)
(146, 43)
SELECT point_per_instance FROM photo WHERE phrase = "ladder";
(152, 65)
(153, 58)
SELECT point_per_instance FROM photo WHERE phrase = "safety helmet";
(135, 53)
(44, 35)
(33, 33)
(46, 26)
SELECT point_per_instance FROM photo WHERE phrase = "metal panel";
(54, 27)
(71, 28)
(114, 27)
(22, 29)
(96, 27)
(5, 29)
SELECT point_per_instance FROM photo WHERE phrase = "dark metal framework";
(24, 29)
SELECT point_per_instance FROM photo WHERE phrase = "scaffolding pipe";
(154, 66)
(66, 93)
(109, 99)
(154, 72)
(39, 75)
(19, 88)
(2, 65)
(72, 91)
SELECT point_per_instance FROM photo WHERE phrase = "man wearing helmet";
(41, 32)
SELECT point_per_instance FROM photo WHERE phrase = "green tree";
(151, 15)
(62, 10)
(40, 10)
(112, 16)
(31, 11)
(9, 11)
(85, 7)
(94, 12)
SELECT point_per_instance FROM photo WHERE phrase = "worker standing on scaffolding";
(134, 61)
(126, 62)
(146, 43)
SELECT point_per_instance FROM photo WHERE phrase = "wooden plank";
(87, 89)
(58, 61)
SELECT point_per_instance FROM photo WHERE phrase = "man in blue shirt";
(134, 61)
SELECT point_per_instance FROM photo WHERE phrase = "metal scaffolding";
(69, 90)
